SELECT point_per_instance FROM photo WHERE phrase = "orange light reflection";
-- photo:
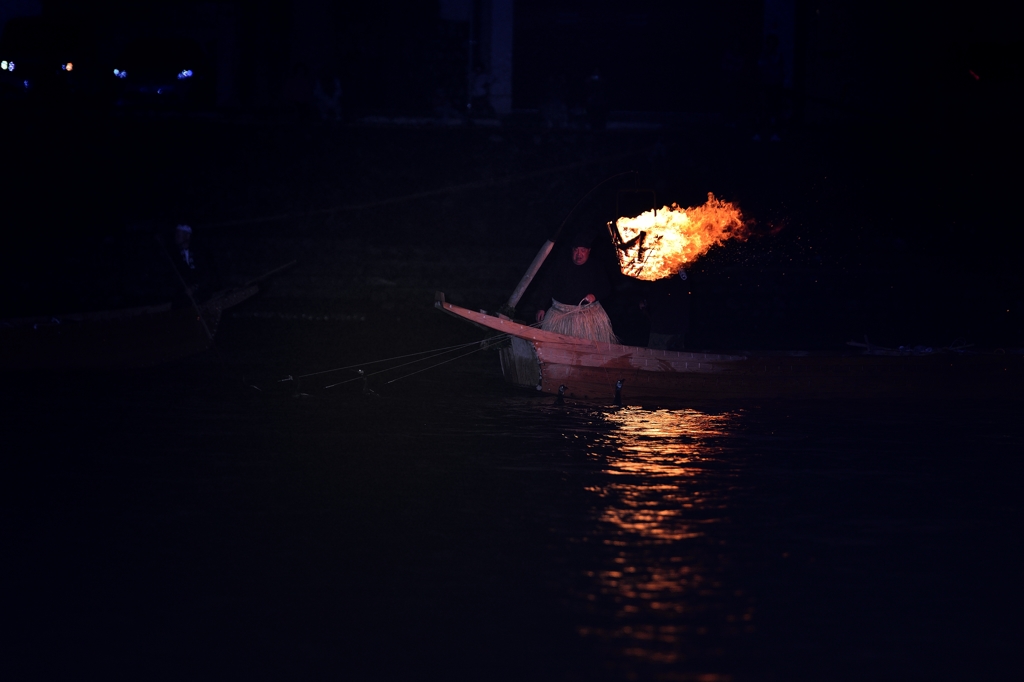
(656, 502)
(656, 450)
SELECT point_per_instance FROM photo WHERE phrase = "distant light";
(26, 85)
(69, 66)
(120, 74)
(159, 91)
(10, 66)
(187, 73)
(3, 65)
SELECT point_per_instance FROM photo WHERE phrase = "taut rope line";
(481, 343)
(484, 345)
(374, 362)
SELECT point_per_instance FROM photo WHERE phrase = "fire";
(660, 243)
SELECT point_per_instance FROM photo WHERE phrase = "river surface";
(206, 519)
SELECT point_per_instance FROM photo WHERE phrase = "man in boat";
(194, 282)
(570, 295)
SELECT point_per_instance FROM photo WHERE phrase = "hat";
(583, 238)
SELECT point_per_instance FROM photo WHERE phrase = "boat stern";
(519, 363)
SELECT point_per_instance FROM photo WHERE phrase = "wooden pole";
(531, 272)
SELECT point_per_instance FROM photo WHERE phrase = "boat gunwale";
(540, 336)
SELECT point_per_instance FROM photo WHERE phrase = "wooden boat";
(588, 370)
(131, 337)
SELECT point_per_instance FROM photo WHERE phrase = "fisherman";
(182, 242)
(574, 287)
(193, 283)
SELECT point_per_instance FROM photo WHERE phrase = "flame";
(660, 243)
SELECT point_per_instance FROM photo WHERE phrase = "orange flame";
(660, 243)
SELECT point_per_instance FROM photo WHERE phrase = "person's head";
(182, 236)
(581, 247)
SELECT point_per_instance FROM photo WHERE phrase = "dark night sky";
(871, 57)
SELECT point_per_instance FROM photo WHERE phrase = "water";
(178, 522)
(170, 521)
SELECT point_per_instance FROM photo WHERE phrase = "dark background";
(887, 208)
(204, 518)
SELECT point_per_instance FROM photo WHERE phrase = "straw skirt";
(582, 321)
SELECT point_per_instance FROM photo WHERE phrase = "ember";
(658, 244)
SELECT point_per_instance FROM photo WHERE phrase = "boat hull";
(592, 371)
(126, 338)
(767, 377)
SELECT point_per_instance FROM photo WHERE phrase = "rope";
(484, 345)
(374, 362)
(429, 357)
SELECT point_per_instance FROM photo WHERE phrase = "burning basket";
(660, 242)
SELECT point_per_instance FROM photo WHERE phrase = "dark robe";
(569, 283)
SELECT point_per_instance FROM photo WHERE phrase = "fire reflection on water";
(664, 487)
(658, 454)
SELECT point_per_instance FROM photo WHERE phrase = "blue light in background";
(187, 73)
